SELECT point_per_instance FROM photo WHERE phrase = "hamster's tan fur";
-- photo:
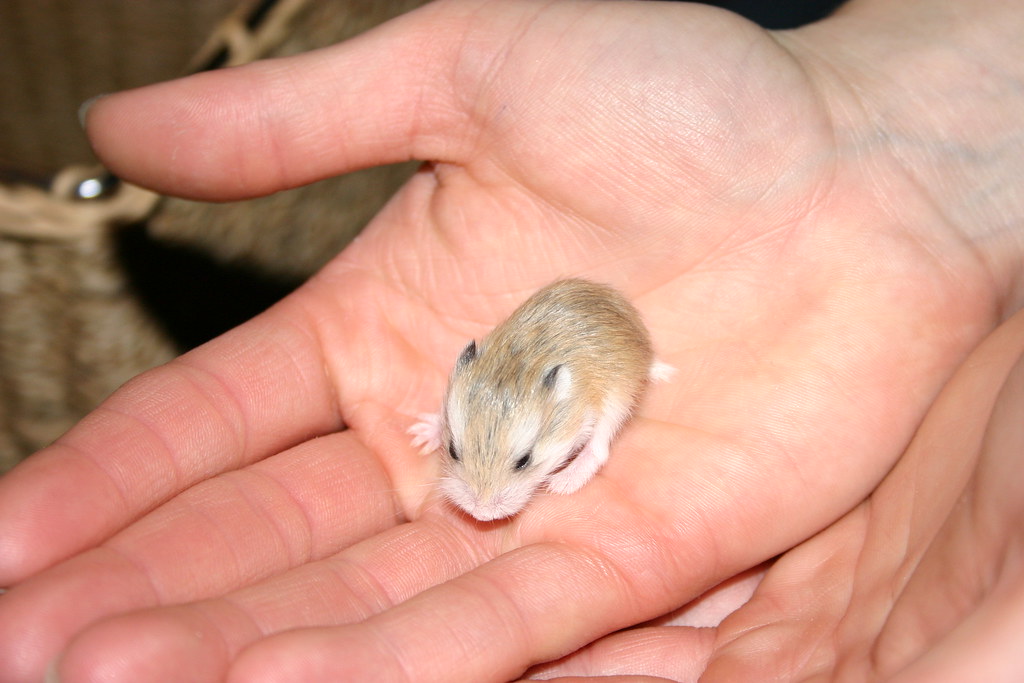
(555, 380)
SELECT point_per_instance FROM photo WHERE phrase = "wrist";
(938, 88)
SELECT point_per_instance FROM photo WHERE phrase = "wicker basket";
(95, 289)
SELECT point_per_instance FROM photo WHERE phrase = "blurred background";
(95, 289)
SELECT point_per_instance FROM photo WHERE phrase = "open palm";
(788, 268)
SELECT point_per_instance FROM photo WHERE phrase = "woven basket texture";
(90, 298)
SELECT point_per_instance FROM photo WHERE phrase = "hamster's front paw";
(564, 484)
(426, 433)
(577, 473)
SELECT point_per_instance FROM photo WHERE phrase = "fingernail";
(83, 109)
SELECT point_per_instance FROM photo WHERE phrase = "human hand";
(787, 263)
(920, 583)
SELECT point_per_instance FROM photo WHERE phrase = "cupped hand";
(788, 264)
(923, 582)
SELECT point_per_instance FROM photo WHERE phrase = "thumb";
(385, 96)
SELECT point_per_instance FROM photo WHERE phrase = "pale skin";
(820, 228)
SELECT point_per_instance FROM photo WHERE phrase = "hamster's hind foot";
(661, 372)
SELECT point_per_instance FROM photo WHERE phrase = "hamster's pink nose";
(495, 507)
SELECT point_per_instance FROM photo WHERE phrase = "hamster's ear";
(467, 355)
(559, 381)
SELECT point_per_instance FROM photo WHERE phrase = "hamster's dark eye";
(452, 453)
(523, 461)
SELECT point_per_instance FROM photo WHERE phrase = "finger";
(522, 608)
(385, 570)
(675, 647)
(674, 653)
(780, 633)
(361, 581)
(541, 601)
(711, 608)
(614, 679)
(348, 587)
(247, 394)
(975, 556)
(222, 534)
(851, 581)
(286, 122)
(984, 647)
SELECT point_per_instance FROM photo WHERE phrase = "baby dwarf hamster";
(538, 401)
